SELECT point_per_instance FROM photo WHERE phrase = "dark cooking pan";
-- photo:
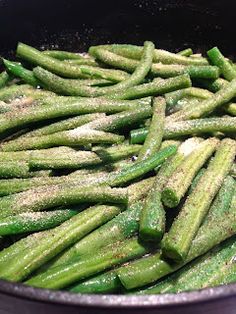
(75, 25)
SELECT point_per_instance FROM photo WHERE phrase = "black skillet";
(75, 25)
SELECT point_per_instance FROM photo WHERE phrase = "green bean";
(154, 138)
(207, 106)
(119, 228)
(10, 92)
(186, 52)
(63, 125)
(14, 169)
(196, 180)
(181, 179)
(36, 57)
(152, 221)
(188, 127)
(176, 243)
(231, 109)
(19, 71)
(71, 87)
(30, 222)
(4, 78)
(107, 74)
(224, 65)
(173, 97)
(41, 198)
(157, 69)
(11, 186)
(75, 137)
(67, 274)
(135, 52)
(121, 120)
(107, 282)
(233, 170)
(139, 168)
(222, 201)
(208, 236)
(57, 240)
(213, 86)
(210, 268)
(82, 62)
(76, 160)
(156, 88)
(219, 211)
(140, 189)
(65, 55)
(14, 120)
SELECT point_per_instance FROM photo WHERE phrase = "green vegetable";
(224, 65)
(42, 198)
(119, 228)
(71, 87)
(30, 115)
(152, 221)
(206, 106)
(75, 137)
(30, 222)
(181, 179)
(107, 74)
(19, 71)
(135, 52)
(56, 240)
(186, 52)
(4, 78)
(64, 275)
(176, 243)
(154, 138)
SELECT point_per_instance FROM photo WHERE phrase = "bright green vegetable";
(139, 168)
(30, 222)
(19, 71)
(66, 55)
(154, 138)
(152, 220)
(188, 127)
(181, 179)
(186, 52)
(75, 137)
(173, 97)
(4, 77)
(32, 114)
(56, 240)
(206, 106)
(156, 88)
(71, 87)
(176, 243)
(100, 284)
(224, 65)
(119, 228)
(107, 74)
(64, 275)
(135, 52)
(42, 198)
(150, 269)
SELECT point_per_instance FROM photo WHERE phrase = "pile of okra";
(117, 169)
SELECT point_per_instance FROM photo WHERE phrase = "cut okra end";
(169, 198)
